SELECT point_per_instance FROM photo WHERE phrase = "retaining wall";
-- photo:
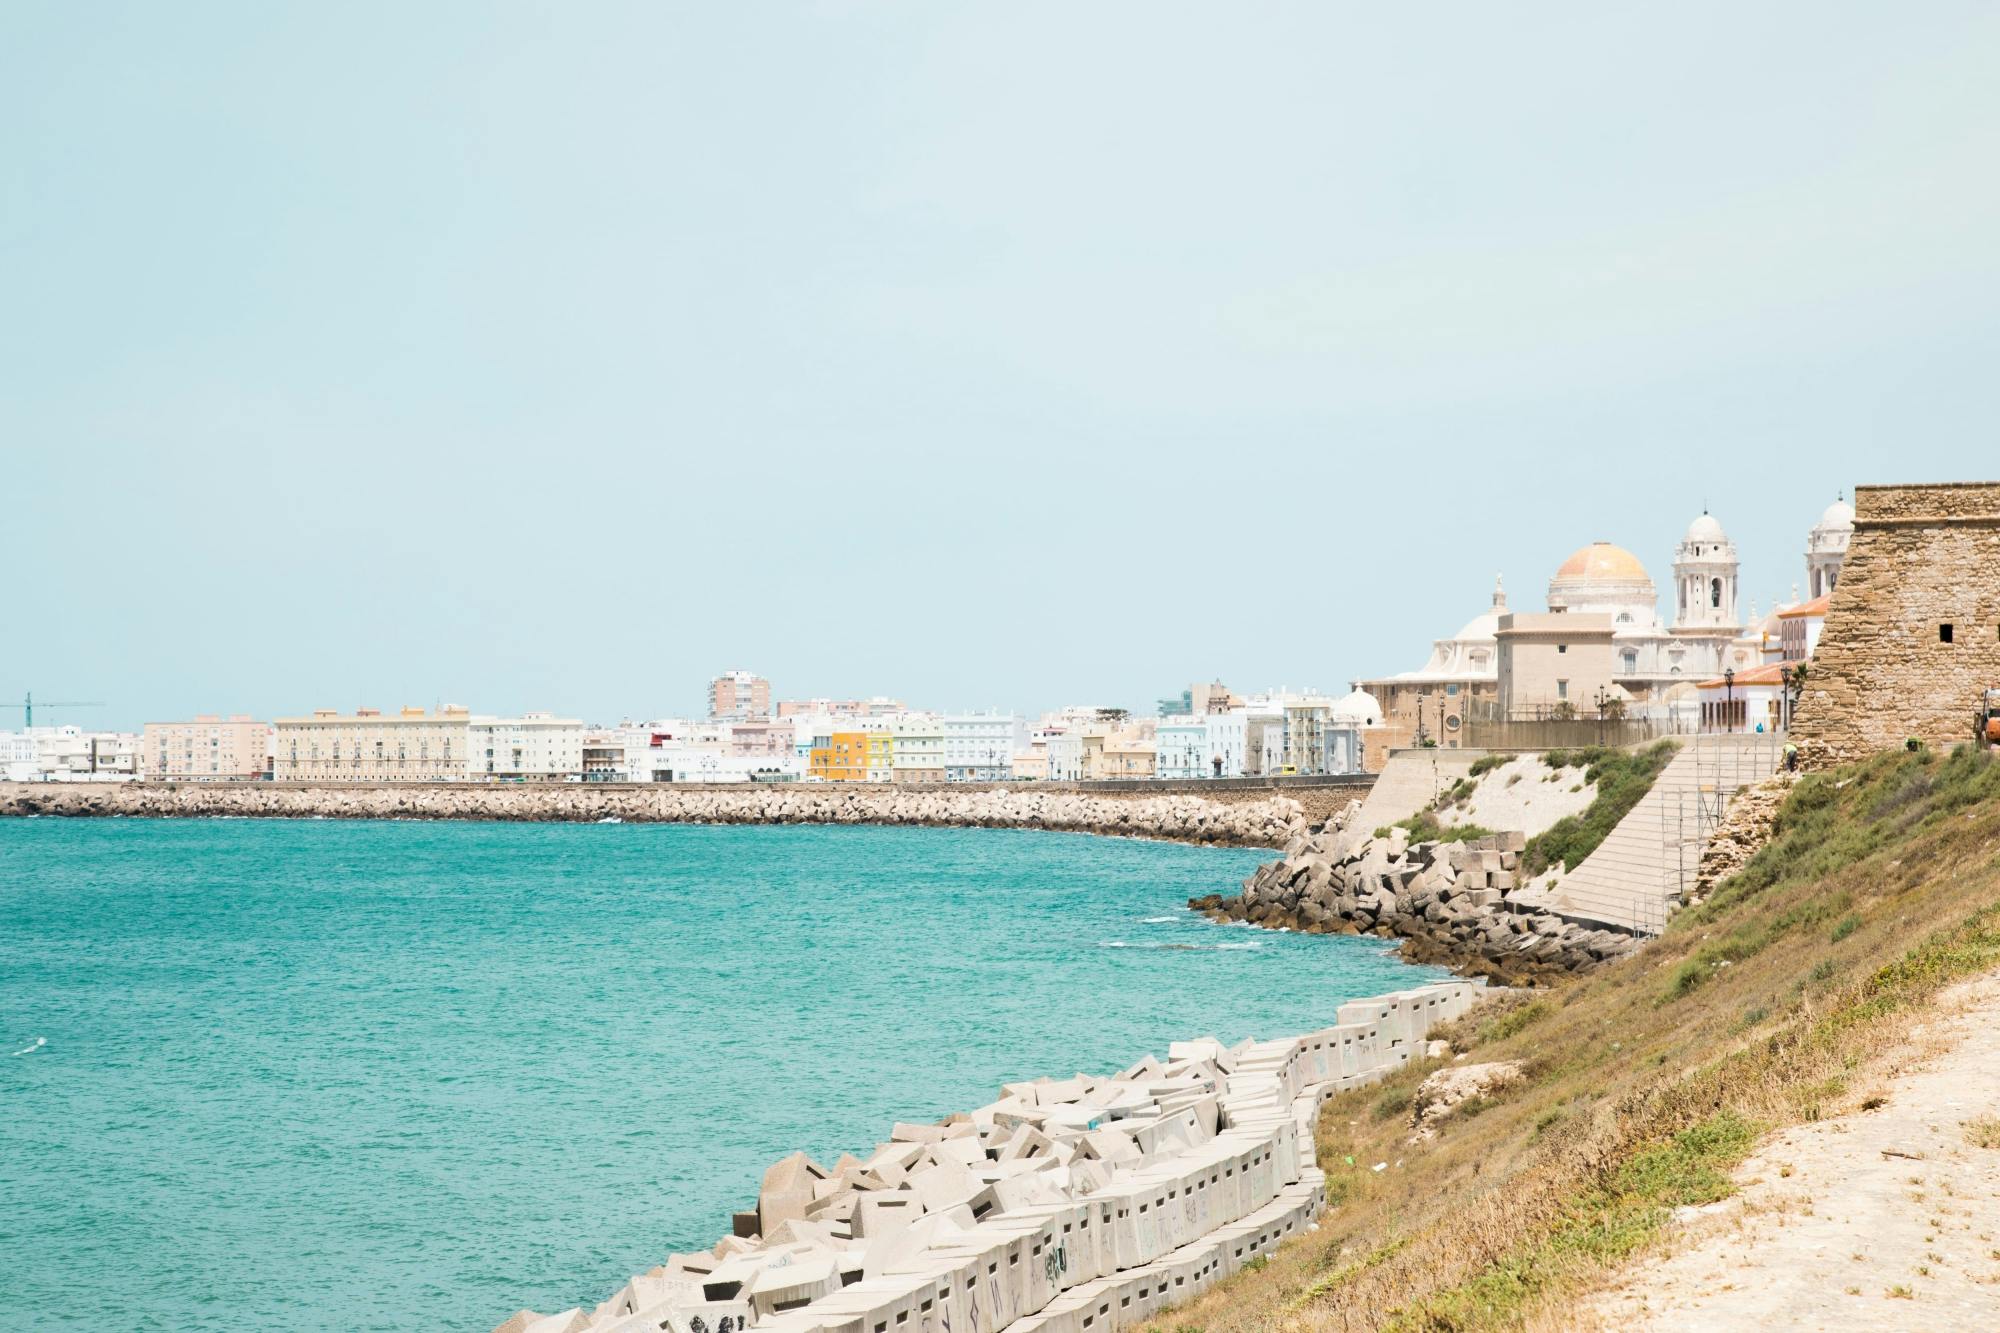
(1260, 819)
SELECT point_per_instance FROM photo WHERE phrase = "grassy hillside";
(1648, 1080)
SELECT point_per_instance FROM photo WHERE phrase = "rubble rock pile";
(1180, 818)
(1449, 1091)
(1068, 1205)
(1449, 902)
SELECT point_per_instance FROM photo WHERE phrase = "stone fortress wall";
(1249, 817)
(1921, 558)
(1080, 1205)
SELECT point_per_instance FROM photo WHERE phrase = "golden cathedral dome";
(1601, 562)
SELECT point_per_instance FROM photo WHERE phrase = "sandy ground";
(1520, 795)
(1882, 1219)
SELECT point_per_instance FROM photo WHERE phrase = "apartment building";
(739, 696)
(535, 747)
(208, 749)
(918, 750)
(840, 756)
(979, 747)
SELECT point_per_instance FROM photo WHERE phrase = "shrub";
(1847, 926)
(1486, 763)
(1392, 1103)
(1457, 794)
(1502, 1026)
(1622, 779)
(1424, 827)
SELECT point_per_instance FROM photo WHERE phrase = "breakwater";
(1066, 1205)
(1268, 820)
(1451, 903)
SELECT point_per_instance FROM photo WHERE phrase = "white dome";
(1359, 707)
(1706, 531)
(1483, 627)
(1839, 514)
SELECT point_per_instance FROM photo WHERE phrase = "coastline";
(1071, 1204)
(1266, 820)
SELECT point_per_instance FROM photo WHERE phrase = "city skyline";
(490, 365)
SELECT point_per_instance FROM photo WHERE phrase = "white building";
(535, 747)
(1181, 752)
(917, 749)
(71, 754)
(17, 757)
(1066, 755)
(1206, 745)
(673, 750)
(979, 747)
(1224, 736)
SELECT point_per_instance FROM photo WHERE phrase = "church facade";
(1602, 645)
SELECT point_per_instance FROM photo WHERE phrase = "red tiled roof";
(1771, 673)
(1816, 607)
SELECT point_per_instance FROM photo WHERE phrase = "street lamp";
(1729, 698)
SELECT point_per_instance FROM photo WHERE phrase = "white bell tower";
(1705, 578)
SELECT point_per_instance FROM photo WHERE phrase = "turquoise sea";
(326, 1075)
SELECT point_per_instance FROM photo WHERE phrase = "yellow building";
(881, 756)
(840, 756)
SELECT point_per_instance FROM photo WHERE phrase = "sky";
(534, 356)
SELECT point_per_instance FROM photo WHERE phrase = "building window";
(1562, 647)
(1715, 592)
(1944, 633)
(1562, 689)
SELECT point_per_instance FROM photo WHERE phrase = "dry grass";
(1648, 1080)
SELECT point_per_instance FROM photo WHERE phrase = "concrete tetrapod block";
(776, 1289)
(787, 1189)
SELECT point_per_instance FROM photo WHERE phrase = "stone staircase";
(1638, 873)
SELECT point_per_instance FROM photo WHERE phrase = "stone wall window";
(1944, 633)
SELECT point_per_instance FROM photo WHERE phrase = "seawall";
(1080, 1205)
(1250, 817)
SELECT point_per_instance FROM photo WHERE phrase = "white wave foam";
(1176, 946)
(1157, 920)
(35, 1045)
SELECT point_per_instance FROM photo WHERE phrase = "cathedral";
(1601, 640)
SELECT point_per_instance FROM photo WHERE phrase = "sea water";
(400, 1075)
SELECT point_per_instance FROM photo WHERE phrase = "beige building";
(1123, 752)
(535, 747)
(410, 746)
(1556, 663)
(208, 749)
(1032, 764)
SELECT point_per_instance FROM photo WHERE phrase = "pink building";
(739, 696)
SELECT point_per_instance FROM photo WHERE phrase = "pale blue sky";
(1012, 354)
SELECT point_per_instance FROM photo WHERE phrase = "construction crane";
(27, 707)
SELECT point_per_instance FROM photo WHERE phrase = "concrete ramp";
(1411, 781)
(1638, 873)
